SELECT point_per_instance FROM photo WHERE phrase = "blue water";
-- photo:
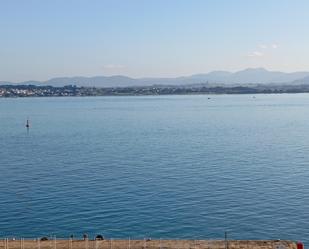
(160, 167)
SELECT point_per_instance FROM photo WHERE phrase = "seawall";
(146, 244)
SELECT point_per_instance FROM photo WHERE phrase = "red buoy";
(300, 245)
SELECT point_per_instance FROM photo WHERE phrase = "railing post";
(96, 244)
(86, 243)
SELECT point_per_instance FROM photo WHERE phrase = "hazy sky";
(41, 39)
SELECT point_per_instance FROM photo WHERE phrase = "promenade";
(144, 244)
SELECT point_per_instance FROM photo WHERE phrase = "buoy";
(27, 123)
(300, 245)
(99, 237)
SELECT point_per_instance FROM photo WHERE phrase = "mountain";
(302, 81)
(247, 76)
(263, 76)
(103, 81)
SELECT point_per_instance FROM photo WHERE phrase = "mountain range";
(244, 77)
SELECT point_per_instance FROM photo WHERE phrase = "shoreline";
(7, 91)
(151, 95)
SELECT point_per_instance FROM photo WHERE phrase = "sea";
(177, 167)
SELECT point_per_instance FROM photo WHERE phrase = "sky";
(42, 39)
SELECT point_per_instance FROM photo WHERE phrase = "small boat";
(27, 124)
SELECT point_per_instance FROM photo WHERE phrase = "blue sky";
(41, 39)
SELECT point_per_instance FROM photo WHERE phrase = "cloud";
(113, 66)
(266, 46)
(263, 46)
(263, 49)
(255, 54)
(274, 46)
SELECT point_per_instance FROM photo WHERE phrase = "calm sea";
(159, 167)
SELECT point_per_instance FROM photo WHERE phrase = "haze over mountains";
(244, 77)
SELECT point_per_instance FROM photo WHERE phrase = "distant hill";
(303, 81)
(247, 76)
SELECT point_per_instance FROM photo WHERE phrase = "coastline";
(13, 91)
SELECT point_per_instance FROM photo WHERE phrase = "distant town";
(72, 90)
